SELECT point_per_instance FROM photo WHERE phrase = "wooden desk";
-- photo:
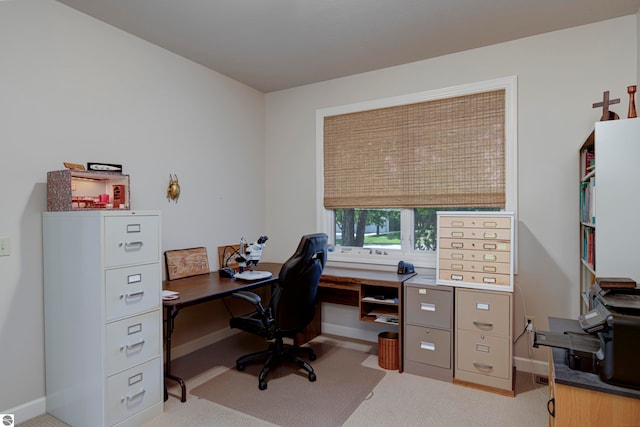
(580, 398)
(356, 287)
(200, 289)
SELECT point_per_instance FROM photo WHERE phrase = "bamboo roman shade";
(440, 153)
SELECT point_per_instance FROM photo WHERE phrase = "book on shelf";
(615, 282)
(588, 162)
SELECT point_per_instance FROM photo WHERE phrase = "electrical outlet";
(5, 246)
(530, 325)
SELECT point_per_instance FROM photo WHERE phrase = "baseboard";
(202, 342)
(530, 365)
(28, 410)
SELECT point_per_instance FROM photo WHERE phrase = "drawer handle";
(482, 324)
(456, 277)
(489, 279)
(457, 223)
(457, 234)
(129, 398)
(489, 269)
(489, 246)
(427, 306)
(427, 346)
(488, 224)
(490, 235)
(551, 407)
(457, 245)
(482, 366)
(130, 346)
(131, 295)
(136, 243)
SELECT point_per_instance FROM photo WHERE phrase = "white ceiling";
(278, 44)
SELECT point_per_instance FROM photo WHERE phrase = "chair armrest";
(248, 296)
(255, 299)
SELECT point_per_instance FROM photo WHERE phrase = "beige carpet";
(290, 399)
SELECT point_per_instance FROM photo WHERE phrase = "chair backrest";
(294, 301)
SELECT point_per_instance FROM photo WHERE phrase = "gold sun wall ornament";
(173, 192)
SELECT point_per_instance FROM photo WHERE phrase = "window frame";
(325, 218)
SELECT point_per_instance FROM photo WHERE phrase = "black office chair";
(291, 308)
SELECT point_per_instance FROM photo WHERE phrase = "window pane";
(368, 228)
(425, 222)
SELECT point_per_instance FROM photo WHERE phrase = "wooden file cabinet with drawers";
(103, 319)
(476, 249)
(483, 329)
(428, 343)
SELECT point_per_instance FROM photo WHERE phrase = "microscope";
(250, 256)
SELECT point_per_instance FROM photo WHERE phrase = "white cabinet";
(103, 318)
(610, 207)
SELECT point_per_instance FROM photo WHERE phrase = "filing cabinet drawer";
(428, 307)
(483, 354)
(474, 244)
(132, 341)
(473, 255)
(476, 233)
(133, 390)
(428, 345)
(132, 290)
(131, 239)
(475, 278)
(475, 267)
(483, 312)
(474, 222)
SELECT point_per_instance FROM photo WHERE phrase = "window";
(387, 166)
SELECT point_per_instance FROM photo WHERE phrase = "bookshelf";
(608, 211)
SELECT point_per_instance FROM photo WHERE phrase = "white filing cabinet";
(103, 317)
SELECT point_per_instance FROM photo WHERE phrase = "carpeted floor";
(398, 399)
(290, 400)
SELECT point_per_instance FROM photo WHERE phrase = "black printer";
(610, 343)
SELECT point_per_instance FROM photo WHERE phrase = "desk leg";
(171, 314)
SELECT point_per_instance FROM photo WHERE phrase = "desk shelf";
(377, 302)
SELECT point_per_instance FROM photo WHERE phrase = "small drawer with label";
(429, 307)
(131, 239)
(132, 290)
(132, 341)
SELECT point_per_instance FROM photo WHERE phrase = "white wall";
(560, 75)
(74, 89)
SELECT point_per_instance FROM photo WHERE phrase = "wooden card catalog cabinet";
(476, 250)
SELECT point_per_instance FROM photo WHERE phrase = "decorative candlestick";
(632, 103)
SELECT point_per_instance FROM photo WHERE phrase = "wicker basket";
(388, 350)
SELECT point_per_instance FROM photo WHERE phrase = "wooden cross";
(606, 114)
